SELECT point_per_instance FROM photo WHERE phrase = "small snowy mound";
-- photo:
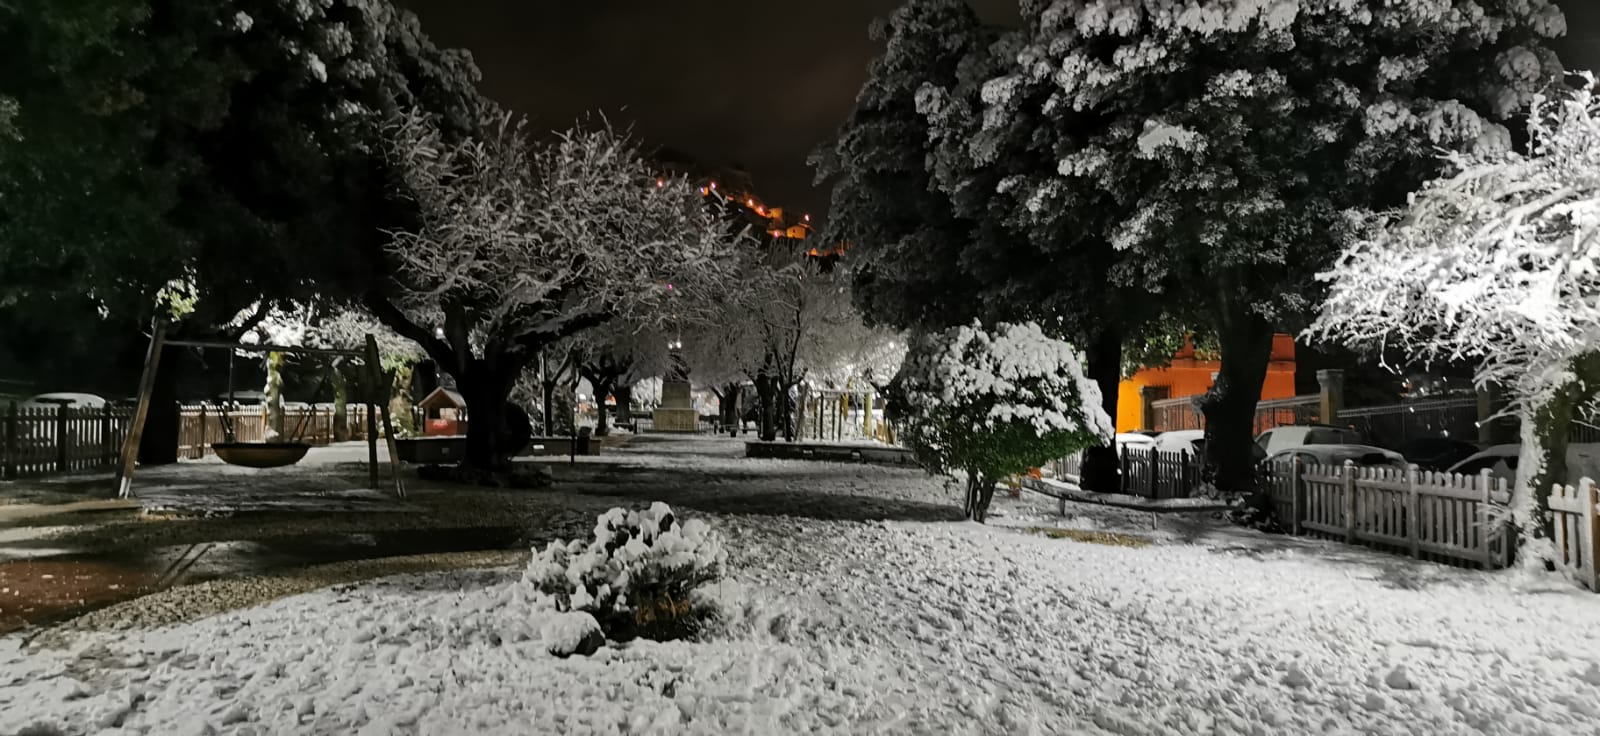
(574, 632)
(638, 576)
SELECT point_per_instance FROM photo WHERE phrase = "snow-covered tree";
(1220, 147)
(1496, 262)
(937, 241)
(228, 144)
(992, 404)
(520, 246)
(614, 356)
(782, 317)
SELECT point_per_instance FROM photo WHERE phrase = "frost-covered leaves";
(638, 575)
(230, 139)
(1498, 261)
(996, 402)
(526, 243)
(1227, 140)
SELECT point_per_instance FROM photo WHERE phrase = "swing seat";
(261, 454)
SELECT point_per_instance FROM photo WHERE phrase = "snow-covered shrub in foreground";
(994, 404)
(637, 577)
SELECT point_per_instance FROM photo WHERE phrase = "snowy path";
(842, 625)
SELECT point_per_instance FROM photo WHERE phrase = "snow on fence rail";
(37, 441)
(201, 426)
(1457, 518)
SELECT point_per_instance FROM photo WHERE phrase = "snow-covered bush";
(1496, 262)
(994, 404)
(637, 577)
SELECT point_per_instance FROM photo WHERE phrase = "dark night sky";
(757, 84)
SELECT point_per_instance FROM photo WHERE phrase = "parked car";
(1437, 453)
(1363, 455)
(1134, 441)
(1278, 439)
(1188, 441)
(1583, 461)
(65, 398)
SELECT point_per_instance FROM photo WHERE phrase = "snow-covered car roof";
(67, 397)
(1337, 454)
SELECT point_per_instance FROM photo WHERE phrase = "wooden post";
(1589, 536)
(1155, 472)
(61, 438)
(1413, 511)
(1122, 485)
(866, 419)
(1297, 496)
(1485, 496)
(11, 441)
(1330, 395)
(1349, 486)
(375, 371)
(106, 455)
(147, 384)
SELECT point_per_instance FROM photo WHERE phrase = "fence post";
(106, 456)
(1413, 511)
(1122, 477)
(1485, 496)
(1297, 504)
(1349, 487)
(61, 438)
(1330, 394)
(11, 441)
(1155, 472)
(1589, 536)
(1148, 396)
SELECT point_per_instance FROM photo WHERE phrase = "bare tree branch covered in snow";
(1497, 262)
(522, 245)
(784, 321)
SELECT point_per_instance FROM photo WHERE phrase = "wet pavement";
(47, 585)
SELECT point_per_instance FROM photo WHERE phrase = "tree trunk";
(159, 443)
(980, 491)
(487, 389)
(1245, 344)
(1543, 460)
(341, 405)
(766, 392)
(401, 401)
(624, 396)
(275, 397)
(787, 403)
(547, 407)
(1101, 466)
(601, 390)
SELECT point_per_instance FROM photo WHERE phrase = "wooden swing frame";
(147, 381)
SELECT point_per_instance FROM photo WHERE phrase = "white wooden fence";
(1441, 516)
(1577, 531)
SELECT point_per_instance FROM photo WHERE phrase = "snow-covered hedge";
(638, 575)
(994, 404)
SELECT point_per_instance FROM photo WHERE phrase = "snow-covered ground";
(853, 607)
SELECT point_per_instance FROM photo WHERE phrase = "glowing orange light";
(808, 218)
(661, 183)
(713, 185)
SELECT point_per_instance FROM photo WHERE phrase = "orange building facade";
(1189, 375)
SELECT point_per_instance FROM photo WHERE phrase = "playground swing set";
(264, 454)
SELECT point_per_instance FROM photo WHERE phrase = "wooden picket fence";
(36, 441)
(1148, 473)
(1577, 531)
(1440, 516)
(201, 425)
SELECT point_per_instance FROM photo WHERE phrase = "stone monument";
(677, 412)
